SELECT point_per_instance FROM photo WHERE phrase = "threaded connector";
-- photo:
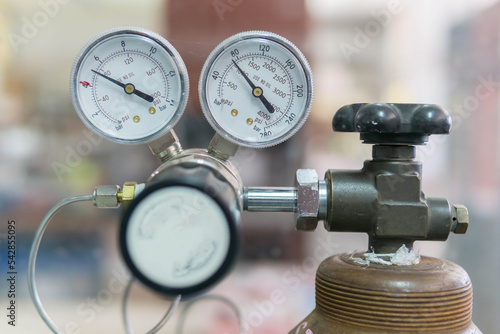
(308, 202)
(127, 194)
(106, 196)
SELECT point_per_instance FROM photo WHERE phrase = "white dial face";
(178, 237)
(129, 85)
(256, 89)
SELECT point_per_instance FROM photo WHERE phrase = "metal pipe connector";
(221, 148)
(110, 196)
(166, 147)
(270, 199)
(106, 196)
(309, 199)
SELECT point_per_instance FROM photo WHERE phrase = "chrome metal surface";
(270, 199)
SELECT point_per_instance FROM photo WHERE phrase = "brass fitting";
(127, 194)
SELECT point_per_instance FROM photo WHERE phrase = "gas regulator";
(179, 231)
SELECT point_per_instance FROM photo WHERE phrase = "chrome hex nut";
(307, 185)
(106, 196)
(461, 219)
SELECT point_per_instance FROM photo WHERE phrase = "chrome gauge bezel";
(210, 111)
(162, 45)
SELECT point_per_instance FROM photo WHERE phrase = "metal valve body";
(385, 200)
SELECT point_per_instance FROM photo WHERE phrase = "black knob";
(392, 123)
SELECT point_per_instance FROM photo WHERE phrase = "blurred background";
(446, 53)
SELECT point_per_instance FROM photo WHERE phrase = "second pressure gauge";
(129, 85)
(256, 89)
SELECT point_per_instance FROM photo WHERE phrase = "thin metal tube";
(270, 199)
(32, 280)
(34, 252)
(159, 325)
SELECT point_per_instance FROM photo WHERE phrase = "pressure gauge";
(129, 85)
(178, 239)
(256, 89)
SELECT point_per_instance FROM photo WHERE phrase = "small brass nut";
(307, 185)
(128, 193)
(106, 196)
(461, 219)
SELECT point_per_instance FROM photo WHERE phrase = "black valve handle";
(392, 123)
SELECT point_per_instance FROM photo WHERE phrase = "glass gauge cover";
(129, 85)
(256, 89)
(177, 239)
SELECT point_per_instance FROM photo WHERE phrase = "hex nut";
(461, 219)
(106, 196)
(128, 193)
(307, 185)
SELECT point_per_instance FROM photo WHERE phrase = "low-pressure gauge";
(179, 236)
(256, 89)
(129, 85)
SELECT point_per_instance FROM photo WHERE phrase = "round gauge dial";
(129, 85)
(256, 89)
(177, 239)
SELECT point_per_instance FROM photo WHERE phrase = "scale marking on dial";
(120, 75)
(256, 89)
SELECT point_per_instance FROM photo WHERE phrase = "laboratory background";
(439, 52)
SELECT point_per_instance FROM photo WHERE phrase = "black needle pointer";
(256, 91)
(129, 88)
